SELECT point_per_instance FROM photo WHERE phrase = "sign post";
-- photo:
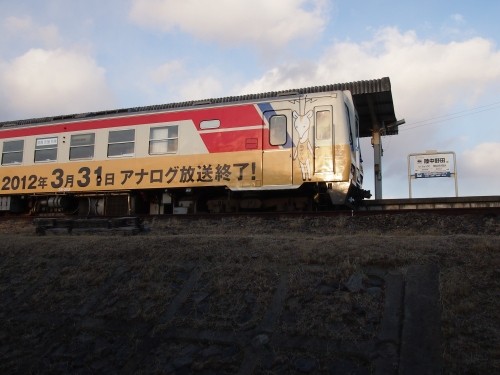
(432, 164)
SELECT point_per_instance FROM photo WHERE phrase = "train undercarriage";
(309, 197)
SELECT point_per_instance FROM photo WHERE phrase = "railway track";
(59, 223)
(432, 204)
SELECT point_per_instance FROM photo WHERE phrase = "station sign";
(433, 165)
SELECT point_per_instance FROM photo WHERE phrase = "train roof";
(372, 99)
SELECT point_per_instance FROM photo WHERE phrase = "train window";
(163, 140)
(82, 146)
(277, 130)
(209, 124)
(46, 149)
(121, 142)
(323, 125)
(12, 152)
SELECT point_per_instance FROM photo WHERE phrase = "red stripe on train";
(230, 117)
(237, 140)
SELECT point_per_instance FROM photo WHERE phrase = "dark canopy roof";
(372, 99)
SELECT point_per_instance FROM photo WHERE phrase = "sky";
(442, 57)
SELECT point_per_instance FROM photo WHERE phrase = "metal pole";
(455, 173)
(377, 149)
(377, 160)
(409, 178)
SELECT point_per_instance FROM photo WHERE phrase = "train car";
(276, 151)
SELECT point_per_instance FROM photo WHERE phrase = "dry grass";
(241, 260)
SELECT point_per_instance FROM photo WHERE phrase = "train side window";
(163, 140)
(277, 130)
(121, 142)
(323, 125)
(46, 149)
(12, 152)
(209, 124)
(82, 146)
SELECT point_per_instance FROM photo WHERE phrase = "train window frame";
(90, 145)
(358, 141)
(164, 143)
(278, 131)
(324, 133)
(348, 114)
(46, 149)
(120, 147)
(11, 152)
(209, 124)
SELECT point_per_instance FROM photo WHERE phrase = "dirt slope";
(245, 295)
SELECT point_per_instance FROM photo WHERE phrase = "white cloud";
(482, 160)
(203, 87)
(52, 82)
(456, 27)
(167, 71)
(176, 81)
(23, 28)
(457, 17)
(427, 77)
(264, 23)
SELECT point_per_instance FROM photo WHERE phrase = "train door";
(324, 139)
(277, 148)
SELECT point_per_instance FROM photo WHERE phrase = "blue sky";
(443, 59)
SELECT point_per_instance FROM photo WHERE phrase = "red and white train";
(273, 151)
